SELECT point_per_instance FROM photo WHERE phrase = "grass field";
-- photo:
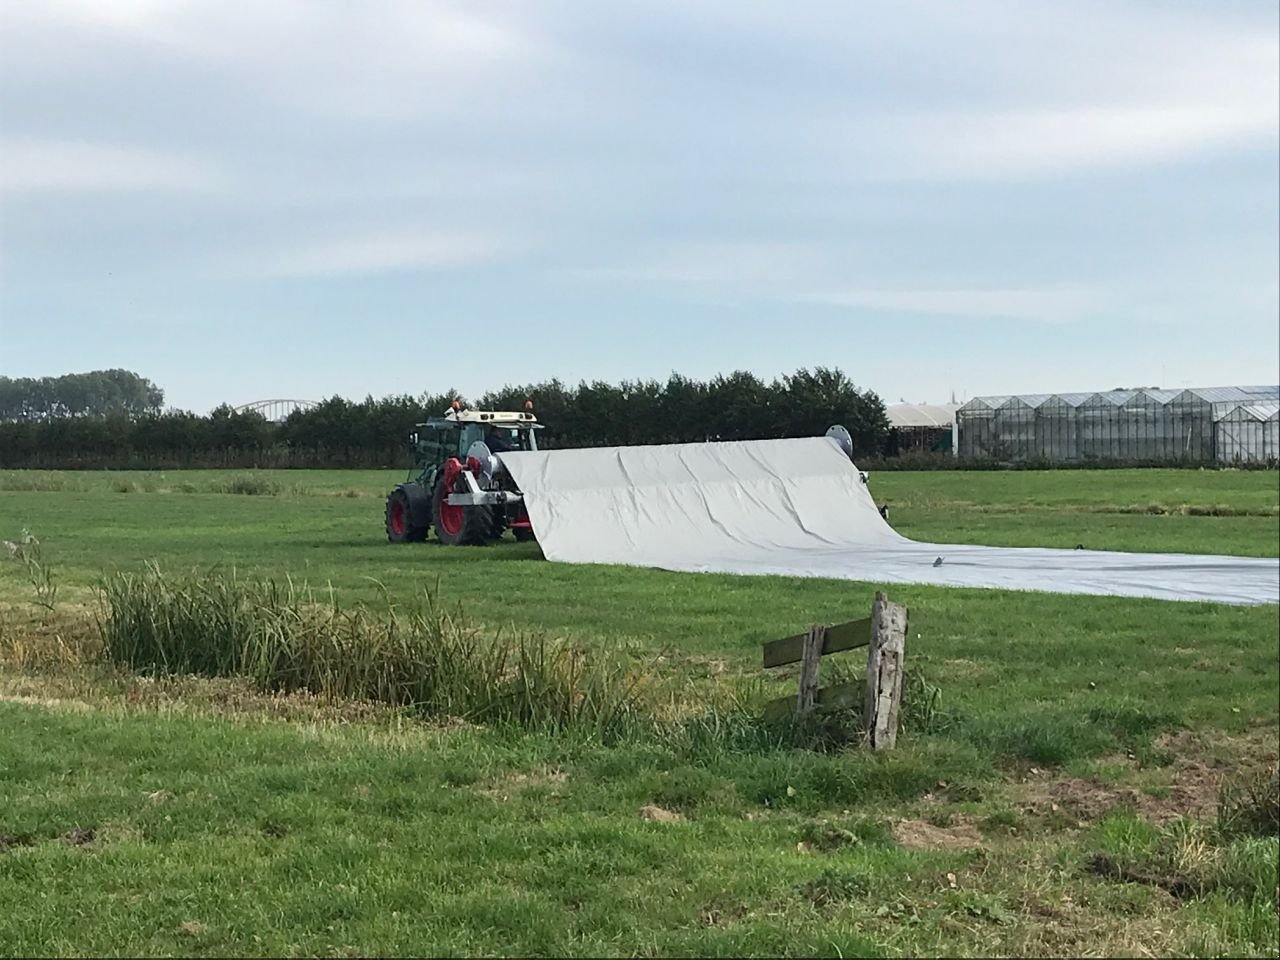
(1062, 800)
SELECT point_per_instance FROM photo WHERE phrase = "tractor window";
(469, 434)
(435, 444)
(502, 439)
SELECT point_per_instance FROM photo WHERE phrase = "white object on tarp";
(800, 508)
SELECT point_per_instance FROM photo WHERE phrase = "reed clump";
(424, 657)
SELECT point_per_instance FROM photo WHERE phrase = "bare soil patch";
(79, 837)
(513, 784)
(657, 814)
(8, 841)
(1200, 762)
(1179, 887)
(921, 835)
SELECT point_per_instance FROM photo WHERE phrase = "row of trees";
(99, 393)
(372, 433)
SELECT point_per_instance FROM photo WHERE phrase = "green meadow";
(1077, 776)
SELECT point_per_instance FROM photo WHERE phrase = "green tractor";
(457, 484)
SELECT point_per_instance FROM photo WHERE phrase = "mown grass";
(1213, 873)
(242, 482)
(367, 830)
(1102, 490)
(429, 844)
(1155, 491)
(211, 836)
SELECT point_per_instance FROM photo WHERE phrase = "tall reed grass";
(285, 639)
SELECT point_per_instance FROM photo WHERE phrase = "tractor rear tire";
(408, 514)
(499, 524)
(459, 526)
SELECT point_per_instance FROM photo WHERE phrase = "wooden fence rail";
(884, 633)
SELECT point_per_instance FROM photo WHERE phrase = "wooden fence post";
(884, 672)
(809, 662)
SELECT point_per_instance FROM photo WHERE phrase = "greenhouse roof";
(1254, 411)
(987, 403)
(1072, 399)
(1214, 395)
(1115, 397)
(1030, 399)
(1236, 394)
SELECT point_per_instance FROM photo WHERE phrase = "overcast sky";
(296, 199)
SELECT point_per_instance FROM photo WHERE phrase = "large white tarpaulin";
(800, 508)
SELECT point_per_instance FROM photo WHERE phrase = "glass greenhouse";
(1205, 425)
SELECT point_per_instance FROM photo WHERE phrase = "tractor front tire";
(408, 514)
(459, 526)
(523, 534)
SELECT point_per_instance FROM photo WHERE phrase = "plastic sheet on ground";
(800, 508)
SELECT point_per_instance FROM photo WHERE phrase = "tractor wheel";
(499, 524)
(523, 534)
(407, 514)
(458, 526)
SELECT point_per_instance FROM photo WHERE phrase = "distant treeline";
(372, 433)
(98, 393)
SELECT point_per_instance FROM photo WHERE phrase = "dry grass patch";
(922, 835)
(78, 689)
(1188, 785)
(512, 784)
(30, 637)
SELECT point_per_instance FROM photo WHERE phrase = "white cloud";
(812, 273)
(1047, 304)
(375, 252)
(1154, 89)
(744, 264)
(126, 16)
(1051, 141)
(30, 165)
(385, 60)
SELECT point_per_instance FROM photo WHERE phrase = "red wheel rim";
(397, 518)
(448, 516)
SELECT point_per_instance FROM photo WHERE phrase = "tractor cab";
(457, 483)
(510, 431)
(456, 433)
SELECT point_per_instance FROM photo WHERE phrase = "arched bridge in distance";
(275, 410)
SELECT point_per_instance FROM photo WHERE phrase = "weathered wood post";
(884, 672)
(810, 659)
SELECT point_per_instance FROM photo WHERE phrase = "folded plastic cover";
(800, 508)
